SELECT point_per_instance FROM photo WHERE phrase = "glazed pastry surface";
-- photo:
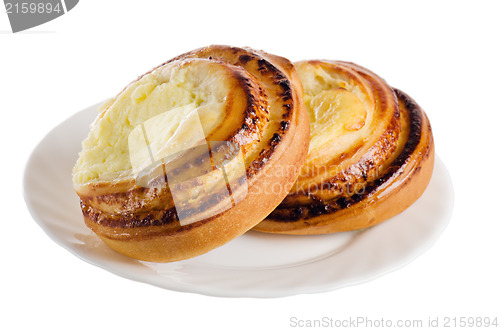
(370, 157)
(181, 160)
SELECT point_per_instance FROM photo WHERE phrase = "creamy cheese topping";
(337, 112)
(170, 109)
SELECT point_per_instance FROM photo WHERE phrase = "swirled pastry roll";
(371, 153)
(181, 160)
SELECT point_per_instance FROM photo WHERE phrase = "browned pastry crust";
(351, 198)
(266, 121)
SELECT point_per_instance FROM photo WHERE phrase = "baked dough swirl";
(371, 153)
(181, 160)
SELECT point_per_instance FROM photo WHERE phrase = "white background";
(444, 54)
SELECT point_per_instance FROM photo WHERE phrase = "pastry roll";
(371, 153)
(181, 161)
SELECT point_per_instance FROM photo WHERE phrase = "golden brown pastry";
(371, 153)
(181, 160)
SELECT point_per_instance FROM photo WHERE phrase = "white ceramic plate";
(253, 265)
